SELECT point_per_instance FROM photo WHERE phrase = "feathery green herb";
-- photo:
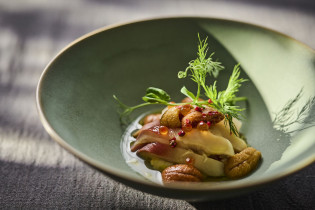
(201, 67)
(198, 70)
(222, 101)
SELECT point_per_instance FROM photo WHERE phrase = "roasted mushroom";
(181, 173)
(241, 164)
(171, 118)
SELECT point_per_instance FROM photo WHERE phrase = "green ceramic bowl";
(76, 106)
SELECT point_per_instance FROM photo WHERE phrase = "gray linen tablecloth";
(35, 172)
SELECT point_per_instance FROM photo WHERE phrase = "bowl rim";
(117, 173)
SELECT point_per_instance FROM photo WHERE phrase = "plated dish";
(196, 139)
(75, 96)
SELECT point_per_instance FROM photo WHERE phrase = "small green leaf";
(152, 98)
(187, 93)
(153, 93)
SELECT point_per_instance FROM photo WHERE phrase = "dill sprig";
(290, 115)
(198, 70)
(201, 67)
(224, 100)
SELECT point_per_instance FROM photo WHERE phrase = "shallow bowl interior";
(75, 93)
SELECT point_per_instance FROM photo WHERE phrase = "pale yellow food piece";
(205, 142)
(159, 164)
(220, 129)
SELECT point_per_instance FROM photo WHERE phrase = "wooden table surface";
(35, 172)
